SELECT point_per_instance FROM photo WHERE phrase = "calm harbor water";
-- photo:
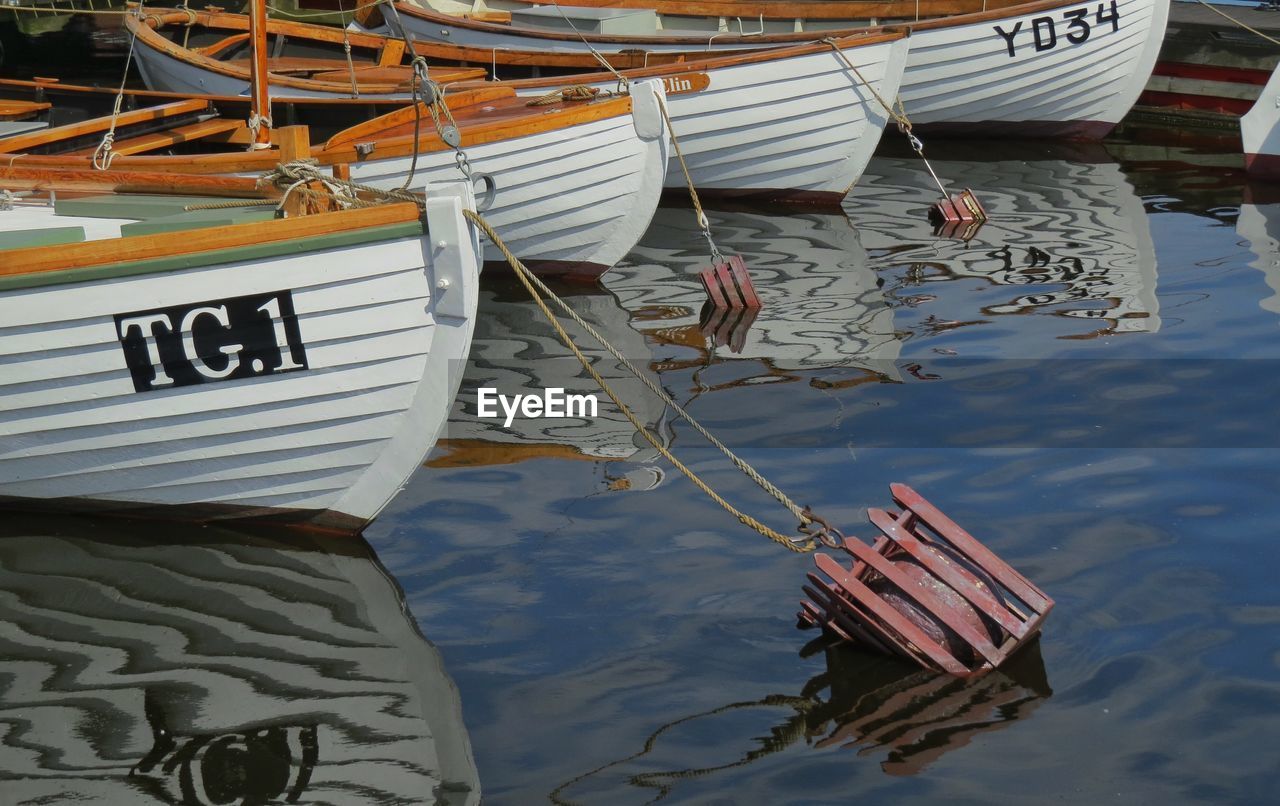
(1088, 385)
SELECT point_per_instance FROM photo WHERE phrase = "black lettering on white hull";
(206, 342)
(1044, 30)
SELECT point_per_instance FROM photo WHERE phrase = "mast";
(259, 84)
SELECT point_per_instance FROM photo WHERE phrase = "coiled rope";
(294, 177)
(537, 289)
(577, 92)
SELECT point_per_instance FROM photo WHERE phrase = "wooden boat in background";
(219, 364)
(153, 663)
(576, 181)
(811, 123)
(1059, 68)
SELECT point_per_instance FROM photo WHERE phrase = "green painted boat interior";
(196, 219)
(193, 260)
(22, 239)
(159, 213)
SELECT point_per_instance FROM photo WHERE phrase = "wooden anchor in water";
(926, 590)
(959, 216)
(732, 303)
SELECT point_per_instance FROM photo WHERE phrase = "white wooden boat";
(153, 663)
(1259, 134)
(787, 124)
(1068, 235)
(186, 365)
(576, 182)
(1046, 68)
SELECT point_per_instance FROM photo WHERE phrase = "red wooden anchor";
(727, 327)
(926, 590)
(728, 285)
(958, 216)
(731, 304)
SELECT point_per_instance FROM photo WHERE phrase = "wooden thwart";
(926, 590)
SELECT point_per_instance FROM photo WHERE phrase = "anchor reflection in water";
(263, 765)
(874, 704)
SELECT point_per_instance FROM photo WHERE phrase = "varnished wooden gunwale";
(23, 142)
(478, 126)
(20, 110)
(146, 31)
(63, 257)
(67, 180)
(995, 9)
(192, 132)
(713, 61)
(777, 10)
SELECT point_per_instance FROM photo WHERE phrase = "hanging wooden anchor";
(955, 215)
(926, 590)
(732, 302)
(959, 216)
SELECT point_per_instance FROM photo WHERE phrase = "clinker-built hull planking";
(295, 370)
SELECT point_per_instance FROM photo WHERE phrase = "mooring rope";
(704, 223)
(534, 285)
(623, 83)
(1248, 28)
(899, 115)
(103, 155)
(293, 177)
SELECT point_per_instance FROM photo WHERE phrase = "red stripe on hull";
(1213, 72)
(558, 269)
(1030, 129)
(1203, 103)
(1263, 166)
(808, 198)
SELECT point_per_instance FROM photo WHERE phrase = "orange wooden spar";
(259, 85)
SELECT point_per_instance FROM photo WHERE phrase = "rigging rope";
(103, 155)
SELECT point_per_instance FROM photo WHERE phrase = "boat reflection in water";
(177, 664)
(515, 351)
(822, 304)
(822, 308)
(1067, 230)
(1259, 226)
(866, 703)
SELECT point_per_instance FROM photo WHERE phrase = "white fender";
(645, 97)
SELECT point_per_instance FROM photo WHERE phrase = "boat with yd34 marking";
(171, 355)
(1053, 68)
